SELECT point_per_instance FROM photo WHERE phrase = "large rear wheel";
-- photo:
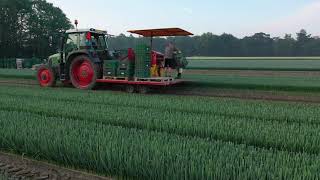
(83, 73)
(46, 76)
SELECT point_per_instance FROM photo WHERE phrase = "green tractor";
(79, 60)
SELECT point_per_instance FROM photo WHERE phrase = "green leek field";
(19, 74)
(217, 81)
(254, 63)
(256, 82)
(166, 136)
(162, 137)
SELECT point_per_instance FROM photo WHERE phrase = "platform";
(158, 81)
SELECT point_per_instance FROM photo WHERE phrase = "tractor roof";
(161, 32)
(92, 30)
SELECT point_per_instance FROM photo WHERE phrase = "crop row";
(281, 135)
(267, 111)
(202, 80)
(144, 154)
(264, 83)
(14, 73)
(259, 64)
(252, 58)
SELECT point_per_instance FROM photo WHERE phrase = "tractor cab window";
(98, 42)
(72, 41)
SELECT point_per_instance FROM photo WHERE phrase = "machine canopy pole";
(151, 41)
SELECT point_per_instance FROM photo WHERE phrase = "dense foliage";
(30, 28)
(162, 137)
(208, 44)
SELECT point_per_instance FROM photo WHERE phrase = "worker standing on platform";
(170, 61)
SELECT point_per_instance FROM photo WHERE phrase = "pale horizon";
(240, 18)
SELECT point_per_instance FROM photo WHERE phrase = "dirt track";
(18, 167)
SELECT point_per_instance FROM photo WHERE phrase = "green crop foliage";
(146, 154)
(14, 73)
(161, 137)
(247, 82)
(252, 58)
(3, 177)
(284, 64)
(267, 133)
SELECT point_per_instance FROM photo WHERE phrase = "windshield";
(99, 41)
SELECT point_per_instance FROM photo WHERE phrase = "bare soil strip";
(18, 167)
(255, 73)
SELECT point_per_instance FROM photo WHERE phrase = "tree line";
(31, 28)
(227, 45)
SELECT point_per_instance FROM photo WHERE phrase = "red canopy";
(161, 32)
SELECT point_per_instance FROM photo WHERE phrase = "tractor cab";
(91, 41)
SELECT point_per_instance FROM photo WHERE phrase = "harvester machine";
(85, 59)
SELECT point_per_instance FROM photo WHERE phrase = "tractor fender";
(74, 54)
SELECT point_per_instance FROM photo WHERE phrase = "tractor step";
(115, 78)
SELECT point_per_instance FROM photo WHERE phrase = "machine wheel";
(83, 73)
(143, 89)
(46, 76)
(130, 89)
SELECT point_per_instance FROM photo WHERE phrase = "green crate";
(123, 73)
(146, 74)
(143, 71)
(126, 69)
(110, 68)
(110, 72)
(142, 47)
(143, 51)
(126, 64)
(110, 64)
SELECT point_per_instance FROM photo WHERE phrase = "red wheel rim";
(82, 73)
(44, 77)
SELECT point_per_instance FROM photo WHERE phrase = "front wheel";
(46, 76)
(83, 73)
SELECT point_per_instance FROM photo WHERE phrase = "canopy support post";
(151, 41)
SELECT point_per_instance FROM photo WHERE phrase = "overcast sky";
(238, 17)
